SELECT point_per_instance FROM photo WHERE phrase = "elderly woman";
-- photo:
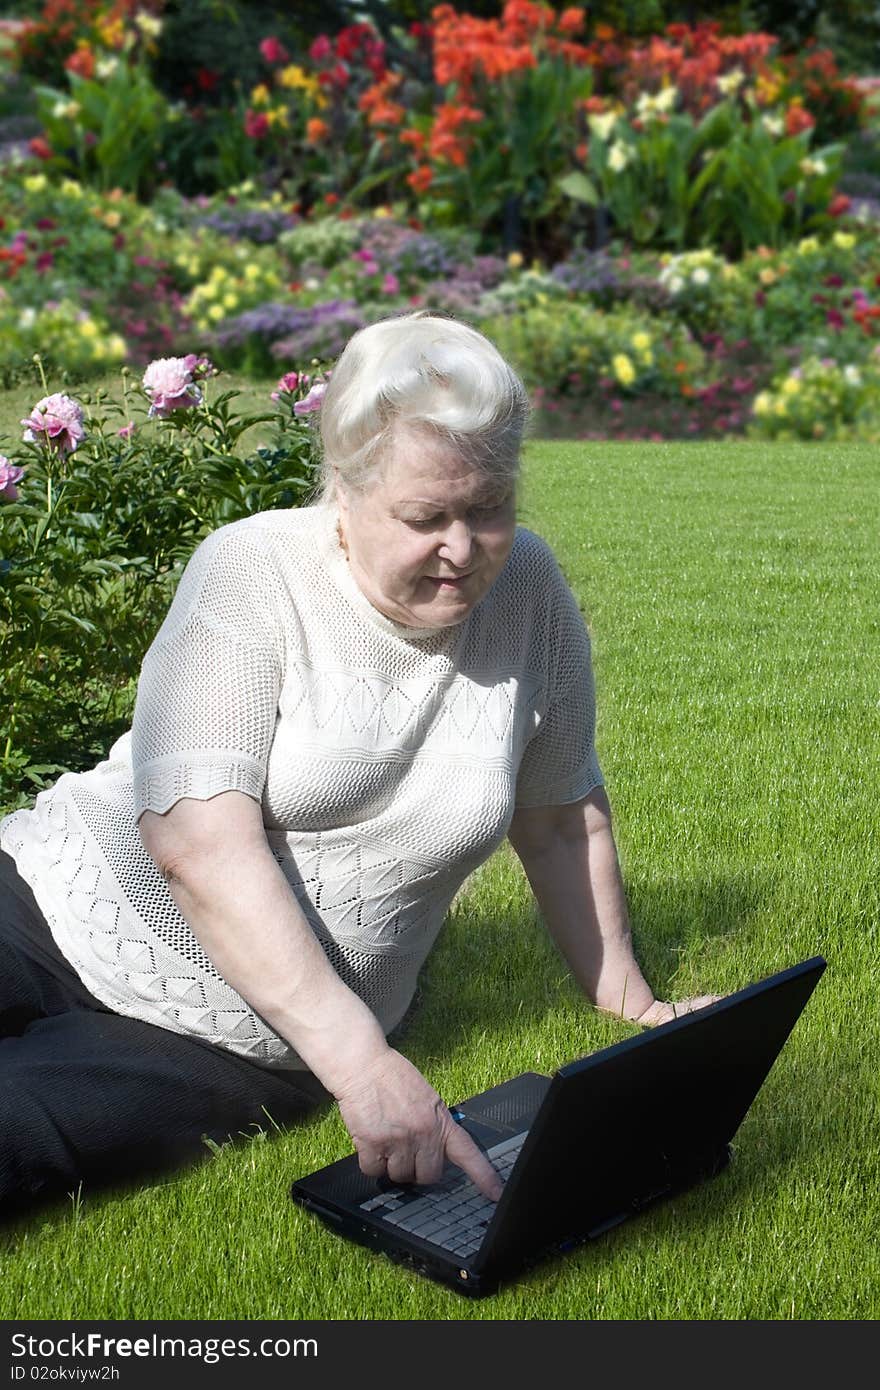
(347, 708)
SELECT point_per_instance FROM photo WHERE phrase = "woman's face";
(429, 535)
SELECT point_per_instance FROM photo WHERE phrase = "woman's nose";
(457, 544)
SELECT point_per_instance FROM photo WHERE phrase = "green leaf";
(576, 185)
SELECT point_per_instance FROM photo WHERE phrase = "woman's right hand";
(403, 1131)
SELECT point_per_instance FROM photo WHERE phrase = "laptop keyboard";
(453, 1213)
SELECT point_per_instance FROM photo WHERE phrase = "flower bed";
(651, 228)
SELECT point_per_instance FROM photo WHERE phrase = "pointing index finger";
(465, 1154)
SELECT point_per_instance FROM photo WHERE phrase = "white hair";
(425, 372)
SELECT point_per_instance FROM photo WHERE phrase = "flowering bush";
(822, 398)
(572, 350)
(100, 507)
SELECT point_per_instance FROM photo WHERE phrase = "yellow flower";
(623, 369)
(641, 341)
(116, 345)
(844, 241)
(112, 219)
(230, 301)
(260, 95)
(252, 272)
(35, 183)
(763, 403)
(215, 312)
(790, 386)
(515, 260)
(384, 211)
(71, 188)
(808, 245)
(88, 328)
(294, 76)
(781, 408)
(279, 116)
(768, 276)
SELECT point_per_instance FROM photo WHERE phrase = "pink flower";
(312, 401)
(127, 430)
(320, 49)
(9, 476)
(288, 384)
(256, 124)
(273, 51)
(169, 383)
(56, 421)
(390, 284)
(199, 367)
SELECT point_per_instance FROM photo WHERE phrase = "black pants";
(89, 1098)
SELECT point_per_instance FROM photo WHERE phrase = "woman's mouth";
(447, 581)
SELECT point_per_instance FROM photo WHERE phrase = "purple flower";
(56, 421)
(168, 381)
(9, 476)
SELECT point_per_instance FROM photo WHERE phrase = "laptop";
(580, 1151)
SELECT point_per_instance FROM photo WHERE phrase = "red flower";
(207, 79)
(40, 147)
(82, 62)
(839, 205)
(834, 319)
(274, 51)
(256, 124)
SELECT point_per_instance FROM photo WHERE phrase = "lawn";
(731, 592)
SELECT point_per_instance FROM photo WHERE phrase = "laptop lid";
(637, 1121)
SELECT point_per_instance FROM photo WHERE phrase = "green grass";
(732, 594)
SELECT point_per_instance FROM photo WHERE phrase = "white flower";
(676, 284)
(774, 125)
(852, 376)
(618, 157)
(701, 276)
(603, 125)
(811, 168)
(731, 82)
(105, 67)
(27, 318)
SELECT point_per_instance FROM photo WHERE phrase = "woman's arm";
(221, 873)
(570, 859)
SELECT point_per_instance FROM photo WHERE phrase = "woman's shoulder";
(532, 562)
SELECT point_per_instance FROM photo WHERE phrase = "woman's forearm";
(570, 859)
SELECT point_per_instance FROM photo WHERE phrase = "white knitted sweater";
(388, 761)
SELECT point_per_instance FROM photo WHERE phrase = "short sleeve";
(209, 686)
(559, 764)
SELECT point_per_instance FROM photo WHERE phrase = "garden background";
(667, 219)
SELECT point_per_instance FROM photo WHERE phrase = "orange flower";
(415, 138)
(377, 103)
(421, 179)
(571, 21)
(797, 119)
(82, 61)
(316, 130)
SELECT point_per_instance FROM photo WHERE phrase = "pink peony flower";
(199, 367)
(56, 421)
(312, 401)
(168, 381)
(127, 430)
(288, 384)
(9, 476)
